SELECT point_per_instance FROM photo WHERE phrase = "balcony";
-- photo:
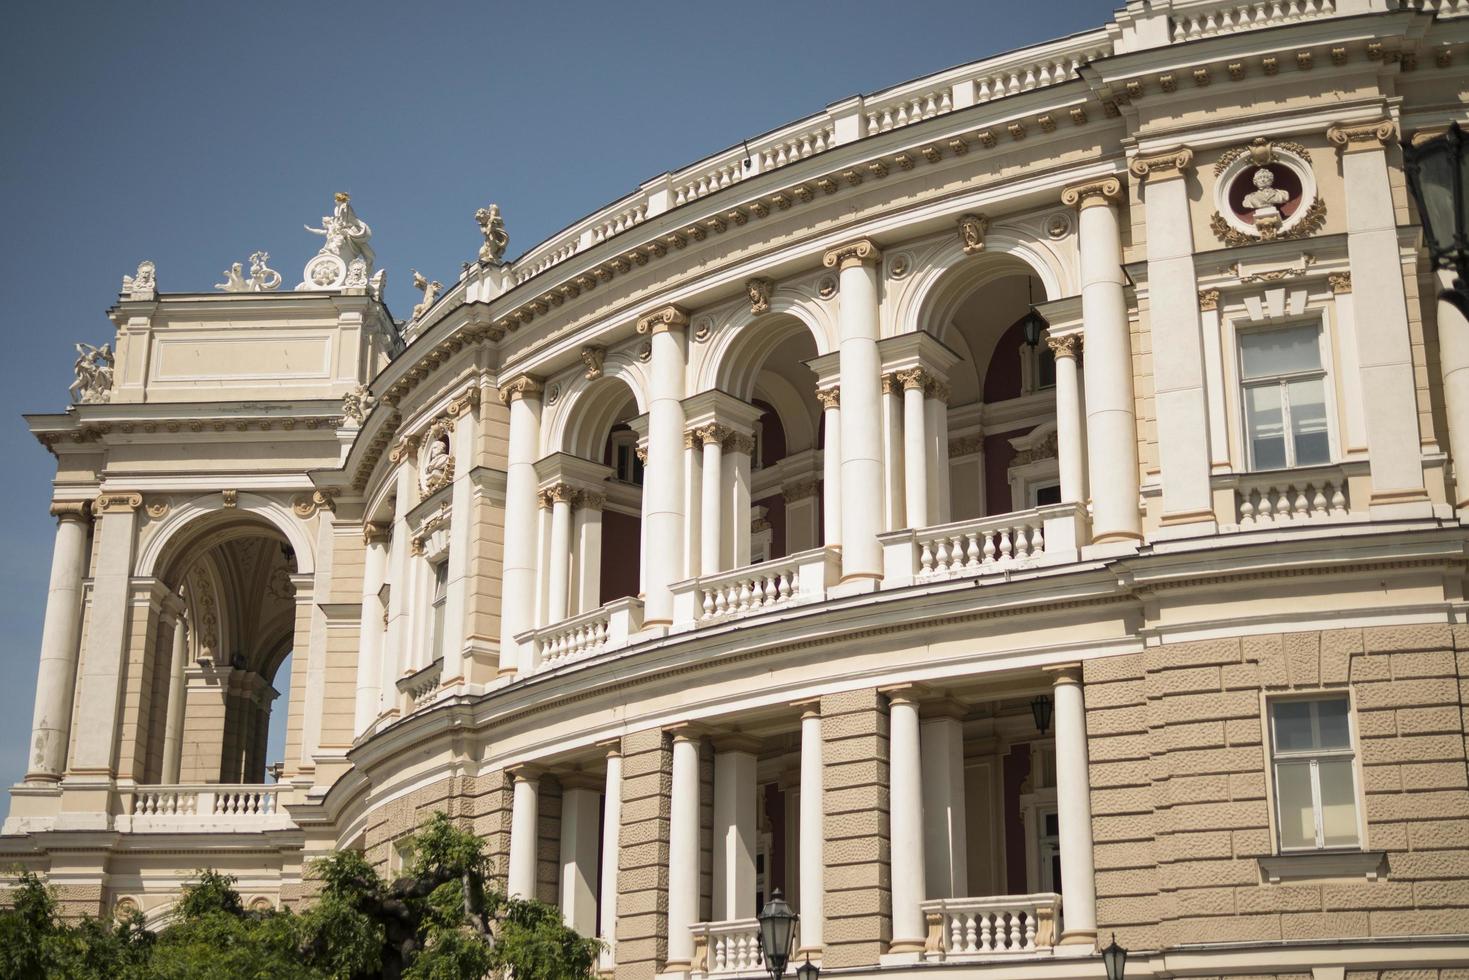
(418, 688)
(205, 808)
(1295, 498)
(987, 546)
(964, 929)
(785, 583)
(586, 635)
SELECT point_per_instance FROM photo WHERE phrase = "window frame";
(1274, 759)
(438, 601)
(1322, 373)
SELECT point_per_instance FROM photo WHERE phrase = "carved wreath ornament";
(1265, 191)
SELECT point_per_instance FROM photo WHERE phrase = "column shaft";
(579, 835)
(812, 836)
(524, 834)
(558, 585)
(936, 451)
(1069, 422)
(894, 512)
(60, 632)
(102, 667)
(906, 826)
(734, 834)
(861, 416)
(611, 838)
(683, 852)
(831, 470)
(663, 527)
(518, 585)
(173, 725)
(915, 455)
(736, 475)
(587, 532)
(944, 812)
(370, 630)
(400, 592)
(1074, 810)
(711, 493)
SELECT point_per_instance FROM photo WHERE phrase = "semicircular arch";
(738, 352)
(588, 409)
(186, 522)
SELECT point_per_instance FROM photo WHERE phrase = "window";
(1045, 493)
(1315, 778)
(441, 593)
(1045, 363)
(1284, 392)
(626, 466)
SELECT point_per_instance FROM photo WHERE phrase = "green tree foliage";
(441, 921)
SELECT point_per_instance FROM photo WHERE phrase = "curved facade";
(752, 533)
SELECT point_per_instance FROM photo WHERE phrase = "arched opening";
(221, 664)
(1001, 410)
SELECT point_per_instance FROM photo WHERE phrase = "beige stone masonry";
(642, 871)
(854, 736)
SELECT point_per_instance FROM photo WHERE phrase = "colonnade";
(925, 818)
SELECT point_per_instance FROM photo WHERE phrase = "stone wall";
(642, 868)
(854, 740)
(1180, 763)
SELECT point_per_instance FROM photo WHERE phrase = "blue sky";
(195, 133)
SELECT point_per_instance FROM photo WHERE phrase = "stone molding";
(77, 510)
(863, 251)
(121, 503)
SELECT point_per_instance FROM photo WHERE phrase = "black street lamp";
(777, 930)
(1040, 709)
(1436, 171)
(1114, 958)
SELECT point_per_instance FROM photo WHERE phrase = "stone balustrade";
(418, 688)
(205, 807)
(796, 580)
(586, 635)
(728, 949)
(976, 547)
(973, 928)
(1290, 498)
(1227, 17)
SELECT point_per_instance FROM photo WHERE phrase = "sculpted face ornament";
(759, 291)
(146, 281)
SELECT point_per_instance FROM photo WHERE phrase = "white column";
(60, 632)
(458, 580)
(736, 493)
(894, 513)
(693, 495)
(587, 532)
(663, 525)
(905, 822)
(734, 828)
(831, 466)
(173, 723)
(1389, 396)
(915, 446)
(518, 583)
(611, 841)
(398, 643)
(559, 557)
(1111, 418)
(861, 416)
(813, 834)
(1355, 444)
(580, 796)
(683, 851)
(936, 451)
(711, 479)
(1068, 418)
(1178, 354)
(1074, 809)
(525, 832)
(945, 823)
(370, 629)
(1453, 359)
(103, 664)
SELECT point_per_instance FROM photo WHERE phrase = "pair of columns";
(915, 416)
(913, 832)
(719, 443)
(573, 546)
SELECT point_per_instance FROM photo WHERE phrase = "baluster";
(1022, 542)
(1318, 501)
(1282, 505)
(787, 586)
(986, 933)
(1300, 502)
(989, 547)
(972, 553)
(708, 603)
(941, 558)
(1338, 501)
(956, 553)
(1037, 542)
(1029, 929)
(721, 604)
(1246, 509)
(1006, 548)
(925, 559)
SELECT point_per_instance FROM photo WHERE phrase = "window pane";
(1275, 352)
(1338, 803)
(1293, 726)
(1332, 723)
(1293, 794)
(1308, 421)
(1265, 427)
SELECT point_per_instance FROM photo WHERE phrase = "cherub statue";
(234, 279)
(497, 239)
(1265, 194)
(93, 370)
(430, 292)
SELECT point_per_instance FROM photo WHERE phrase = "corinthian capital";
(1162, 166)
(1093, 193)
(829, 397)
(863, 251)
(1064, 346)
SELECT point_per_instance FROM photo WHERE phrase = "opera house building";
(1008, 510)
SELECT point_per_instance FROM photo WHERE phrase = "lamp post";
(777, 930)
(1114, 959)
(1436, 177)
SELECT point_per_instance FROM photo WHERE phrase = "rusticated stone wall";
(854, 745)
(1179, 767)
(642, 866)
(480, 804)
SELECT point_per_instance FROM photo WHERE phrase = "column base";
(1078, 937)
(903, 951)
(506, 672)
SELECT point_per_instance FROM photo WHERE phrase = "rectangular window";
(1315, 775)
(441, 593)
(1284, 394)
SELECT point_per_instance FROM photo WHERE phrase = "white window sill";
(1323, 864)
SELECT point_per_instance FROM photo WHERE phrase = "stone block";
(1194, 789)
(1114, 695)
(1392, 639)
(1205, 761)
(1303, 658)
(1114, 747)
(1428, 864)
(1116, 721)
(1278, 898)
(1319, 925)
(1441, 894)
(1426, 805)
(1223, 929)
(1204, 901)
(1127, 799)
(1242, 676)
(1419, 922)
(1183, 708)
(1424, 721)
(1101, 670)
(1366, 895)
(1422, 663)
(1195, 846)
(1243, 731)
(1115, 913)
(1432, 775)
(1412, 748)
(1367, 667)
(1408, 693)
(1122, 828)
(1195, 653)
(1216, 873)
(1193, 735)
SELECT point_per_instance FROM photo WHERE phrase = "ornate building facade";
(1016, 507)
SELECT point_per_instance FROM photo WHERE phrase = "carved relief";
(1265, 191)
(357, 404)
(593, 357)
(436, 460)
(759, 289)
(971, 232)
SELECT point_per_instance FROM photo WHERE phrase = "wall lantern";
(1114, 958)
(777, 929)
(1041, 708)
(1034, 324)
(1436, 176)
(808, 970)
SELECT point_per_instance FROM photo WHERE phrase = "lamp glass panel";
(1436, 185)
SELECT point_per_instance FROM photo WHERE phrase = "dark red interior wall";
(1017, 771)
(621, 543)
